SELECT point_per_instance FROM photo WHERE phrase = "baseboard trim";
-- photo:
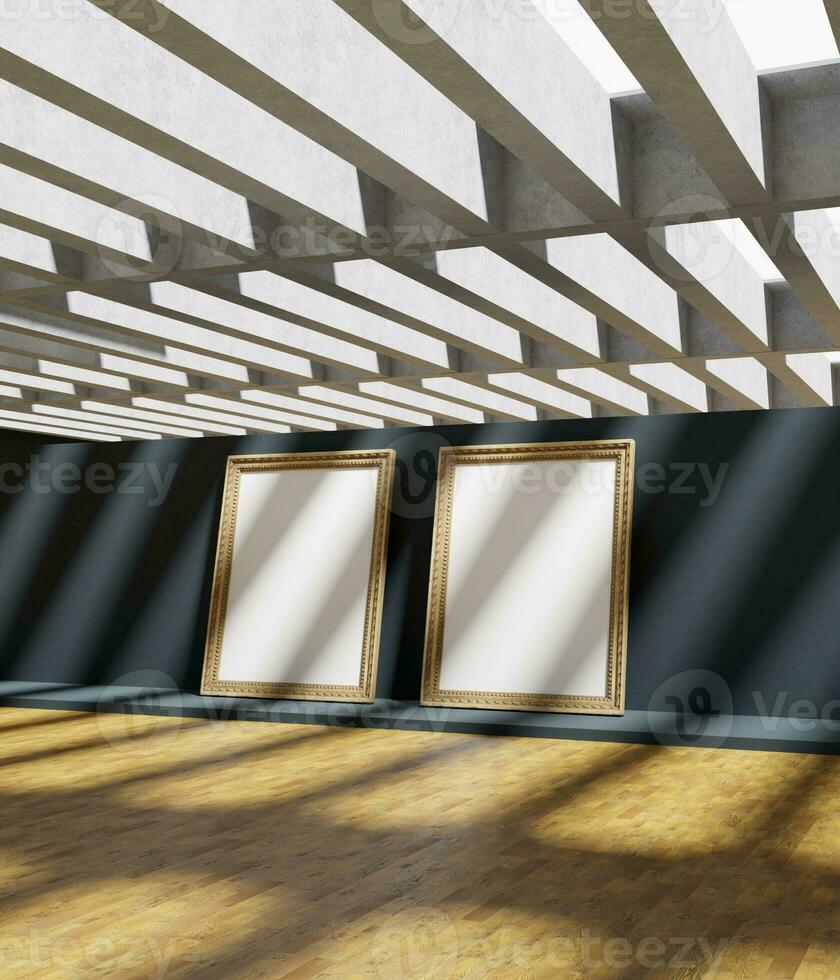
(748, 732)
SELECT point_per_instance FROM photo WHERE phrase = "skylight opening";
(738, 233)
(781, 34)
(578, 30)
(778, 35)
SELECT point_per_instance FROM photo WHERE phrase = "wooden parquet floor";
(142, 847)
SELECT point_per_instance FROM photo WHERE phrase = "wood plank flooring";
(141, 847)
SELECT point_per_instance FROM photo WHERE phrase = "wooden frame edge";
(613, 703)
(384, 460)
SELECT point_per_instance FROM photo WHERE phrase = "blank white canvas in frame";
(528, 593)
(300, 601)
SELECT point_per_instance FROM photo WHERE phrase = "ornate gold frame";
(381, 459)
(623, 451)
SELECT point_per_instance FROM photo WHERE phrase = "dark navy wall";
(96, 585)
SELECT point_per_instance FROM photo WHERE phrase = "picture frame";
(299, 576)
(503, 611)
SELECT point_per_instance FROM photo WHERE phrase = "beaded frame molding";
(451, 457)
(383, 460)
